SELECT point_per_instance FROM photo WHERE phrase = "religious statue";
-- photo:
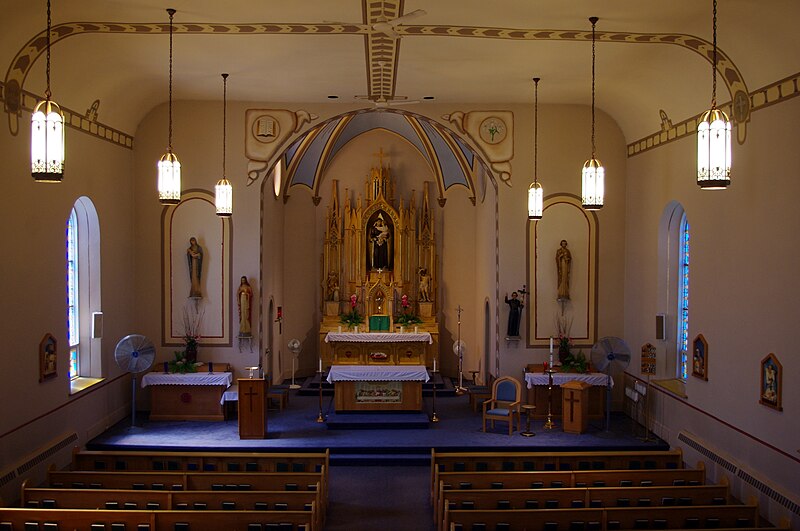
(514, 314)
(332, 287)
(244, 295)
(563, 265)
(424, 285)
(194, 256)
(380, 238)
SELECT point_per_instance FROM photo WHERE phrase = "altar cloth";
(195, 378)
(384, 373)
(377, 337)
(592, 378)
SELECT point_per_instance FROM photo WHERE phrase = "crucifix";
(249, 394)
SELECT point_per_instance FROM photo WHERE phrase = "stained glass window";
(73, 294)
(683, 301)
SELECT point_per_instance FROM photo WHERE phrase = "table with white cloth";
(537, 383)
(378, 388)
(378, 348)
(193, 396)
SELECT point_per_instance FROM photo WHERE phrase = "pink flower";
(404, 301)
(353, 299)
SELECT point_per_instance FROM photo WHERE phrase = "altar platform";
(296, 429)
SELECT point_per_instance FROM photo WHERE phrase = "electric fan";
(610, 353)
(294, 347)
(134, 354)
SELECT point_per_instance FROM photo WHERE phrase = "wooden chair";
(504, 404)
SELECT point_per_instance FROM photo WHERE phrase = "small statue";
(244, 296)
(333, 287)
(563, 266)
(424, 285)
(514, 314)
(194, 256)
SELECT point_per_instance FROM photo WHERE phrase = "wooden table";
(194, 396)
(368, 388)
(537, 392)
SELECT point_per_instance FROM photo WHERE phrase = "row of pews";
(593, 491)
(177, 491)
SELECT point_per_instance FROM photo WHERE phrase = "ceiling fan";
(380, 100)
(387, 26)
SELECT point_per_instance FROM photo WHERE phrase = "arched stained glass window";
(683, 300)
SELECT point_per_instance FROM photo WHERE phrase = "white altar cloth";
(383, 373)
(195, 378)
(379, 337)
(592, 378)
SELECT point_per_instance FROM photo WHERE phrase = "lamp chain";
(714, 65)
(536, 129)
(224, 120)
(47, 92)
(593, 59)
(171, 14)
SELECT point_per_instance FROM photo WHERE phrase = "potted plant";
(352, 318)
(407, 317)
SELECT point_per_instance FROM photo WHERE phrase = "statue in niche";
(424, 285)
(194, 257)
(380, 244)
(332, 287)
(563, 266)
(514, 314)
(244, 296)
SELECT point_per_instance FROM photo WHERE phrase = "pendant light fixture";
(47, 132)
(593, 175)
(169, 169)
(223, 189)
(535, 193)
(714, 137)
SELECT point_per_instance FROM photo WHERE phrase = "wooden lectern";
(253, 403)
(575, 406)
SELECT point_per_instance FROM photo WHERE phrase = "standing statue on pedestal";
(563, 266)
(424, 285)
(245, 296)
(332, 287)
(194, 256)
(514, 314)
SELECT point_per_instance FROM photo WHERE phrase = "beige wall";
(743, 292)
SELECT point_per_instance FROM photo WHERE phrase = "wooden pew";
(580, 478)
(582, 497)
(609, 519)
(96, 520)
(172, 500)
(200, 461)
(529, 461)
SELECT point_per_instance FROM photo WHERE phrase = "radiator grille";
(45, 454)
(6, 479)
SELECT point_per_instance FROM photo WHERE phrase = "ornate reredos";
(377, 245)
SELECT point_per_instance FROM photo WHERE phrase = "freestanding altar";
(379, 259)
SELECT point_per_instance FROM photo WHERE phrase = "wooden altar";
(378, 349)
(193, 396)
(374, 388)
(380, 259)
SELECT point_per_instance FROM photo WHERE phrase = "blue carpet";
(374, 420)
(296, 429)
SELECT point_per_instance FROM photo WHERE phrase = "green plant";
(180, 364)
(351, 318)
(575, 363)
(408, 318)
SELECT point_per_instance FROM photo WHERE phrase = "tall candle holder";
(549, 424)
(434, 416)
(320, 417)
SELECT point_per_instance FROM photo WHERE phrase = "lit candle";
(320, 365)
(340, 329)
(434, 364)
(551, 345)
(415, 331)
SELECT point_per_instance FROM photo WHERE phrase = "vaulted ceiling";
(651, 56)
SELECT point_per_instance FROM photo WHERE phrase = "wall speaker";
(97, 325)
(661, 328)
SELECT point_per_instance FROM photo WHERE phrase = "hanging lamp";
(47, 132)
(535, 193)
(169, 169)
(223, 189)
(714, 137)
(593, 175)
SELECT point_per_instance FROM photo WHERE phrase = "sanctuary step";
(374, 420)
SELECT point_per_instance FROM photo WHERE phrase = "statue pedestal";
(426, 309)
(331, 308)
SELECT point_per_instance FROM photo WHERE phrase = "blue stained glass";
(72, 294)
(683, 303)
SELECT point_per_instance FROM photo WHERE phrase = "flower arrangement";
(192, 317)
(352, 318)
(564, 341)
(575, 363)
(407, 317)
(181, 364)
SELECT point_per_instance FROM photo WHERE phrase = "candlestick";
(551, 360)
(434, 364)
(320, 365)
(340, 329)
(551, 344)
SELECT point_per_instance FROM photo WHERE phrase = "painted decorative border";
(700, 357)
(771, 377)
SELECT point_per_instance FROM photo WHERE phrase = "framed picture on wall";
(700, 357)
(771, 382)
(48, 356)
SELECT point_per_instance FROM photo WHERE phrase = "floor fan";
(294, 347)
(607, 354)
(134, 354)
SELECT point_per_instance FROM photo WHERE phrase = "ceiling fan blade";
(402, 102)
(387, 28)
(408, 16)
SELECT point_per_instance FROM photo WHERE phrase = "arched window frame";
(83, 295)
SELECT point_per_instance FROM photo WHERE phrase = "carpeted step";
(374, 420)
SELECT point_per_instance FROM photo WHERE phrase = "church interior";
(382, 219)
